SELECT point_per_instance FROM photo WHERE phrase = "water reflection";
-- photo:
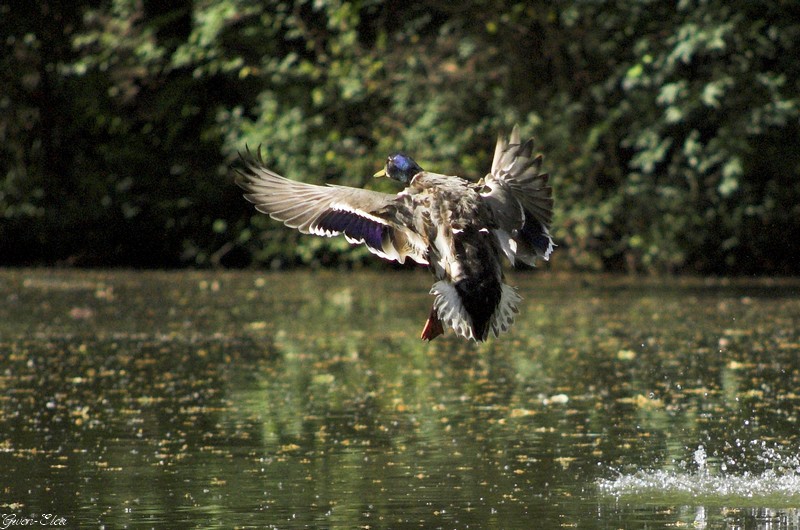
(306, 400)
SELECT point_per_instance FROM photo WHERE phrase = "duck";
(459, 228)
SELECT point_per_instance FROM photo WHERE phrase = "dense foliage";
(671, 130)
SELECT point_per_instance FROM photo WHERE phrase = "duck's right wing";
(362, 216)
(520, 200)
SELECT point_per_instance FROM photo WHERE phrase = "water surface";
(306, 400)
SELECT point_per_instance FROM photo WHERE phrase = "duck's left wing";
(520, 200)
(362, 216)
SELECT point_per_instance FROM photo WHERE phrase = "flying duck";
(459, 228)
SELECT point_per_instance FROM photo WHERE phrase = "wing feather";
(520, 199)
(362, 216)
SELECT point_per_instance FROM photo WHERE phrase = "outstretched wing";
(520, 200)
(362, 216)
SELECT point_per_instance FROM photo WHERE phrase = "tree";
(699, 120)
(671, 131)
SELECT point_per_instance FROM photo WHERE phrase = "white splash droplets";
(778, 479)
(700, 459)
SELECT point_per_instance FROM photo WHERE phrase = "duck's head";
(400, 167)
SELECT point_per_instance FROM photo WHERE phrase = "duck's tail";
(472, 307)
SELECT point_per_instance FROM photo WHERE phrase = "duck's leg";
(433, 327)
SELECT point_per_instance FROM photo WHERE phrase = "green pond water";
(306, 400)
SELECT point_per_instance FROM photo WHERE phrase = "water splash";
(700, 459)
(760, 475)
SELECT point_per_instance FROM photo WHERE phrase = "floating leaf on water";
(737, 332)
(644, 402)
(325, 379)
(564, 461)
(556, 399)
(81, 313)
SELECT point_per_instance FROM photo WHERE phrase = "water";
(305, 400)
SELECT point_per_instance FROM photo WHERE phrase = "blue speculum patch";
(354, 226)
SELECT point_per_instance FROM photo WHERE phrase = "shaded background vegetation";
(671, 130)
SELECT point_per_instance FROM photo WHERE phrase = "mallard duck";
(459, 228)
